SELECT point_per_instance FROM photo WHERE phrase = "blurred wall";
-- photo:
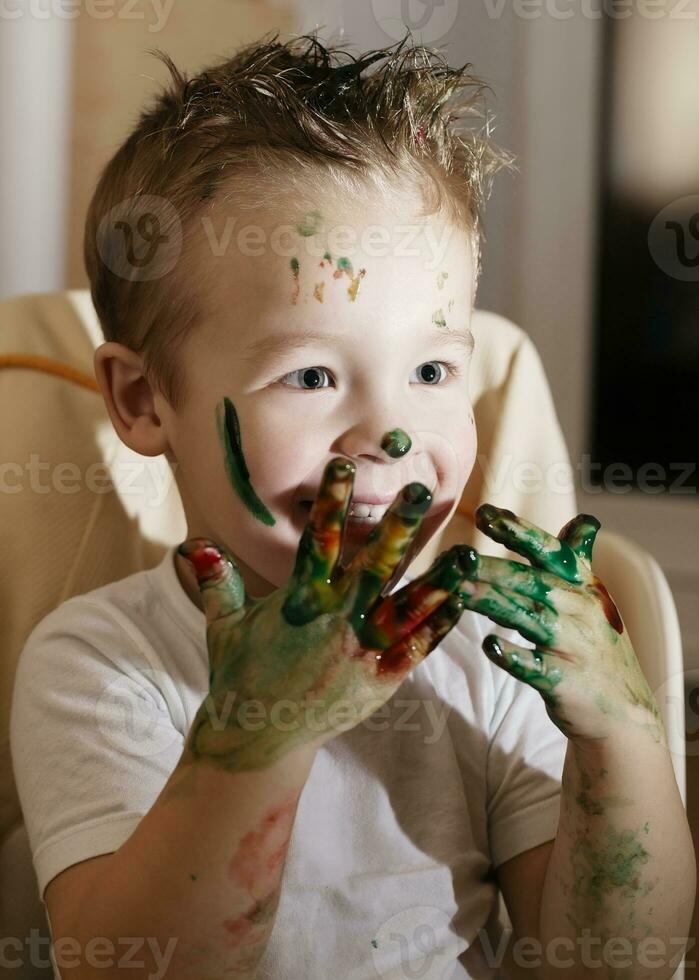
(71, 89)
(35, 68)
(114, 75)
(543, 62)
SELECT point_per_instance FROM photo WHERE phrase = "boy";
(276, 811)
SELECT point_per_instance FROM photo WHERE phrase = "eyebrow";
(274, 347)
(462, 337)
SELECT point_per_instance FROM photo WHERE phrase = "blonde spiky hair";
(269, 121)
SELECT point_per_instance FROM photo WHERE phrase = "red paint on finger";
(610, 609)
(207, 561)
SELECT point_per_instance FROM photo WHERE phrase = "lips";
(368, 510)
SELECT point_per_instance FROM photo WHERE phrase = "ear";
(130, 399)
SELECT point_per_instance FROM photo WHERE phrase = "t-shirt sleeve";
(525, 763)
(92, 741)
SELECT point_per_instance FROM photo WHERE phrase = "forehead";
(305, 262)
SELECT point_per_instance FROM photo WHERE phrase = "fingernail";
(468, 559)
(205, 559)
(341, 469)
(492, 646)
(416, 494)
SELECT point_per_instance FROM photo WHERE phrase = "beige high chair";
(78, 509)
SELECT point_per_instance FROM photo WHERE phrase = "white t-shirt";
(399, 826)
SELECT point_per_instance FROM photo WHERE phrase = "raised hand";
(584, 665)
(325, 651)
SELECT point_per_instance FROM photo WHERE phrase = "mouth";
(363, 516)
(359, 514)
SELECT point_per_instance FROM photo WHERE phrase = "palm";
(584, 665)
(327, 649)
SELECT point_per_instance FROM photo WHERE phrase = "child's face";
(388, 311)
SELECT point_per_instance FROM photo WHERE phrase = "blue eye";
(309, 377)
(429, 373)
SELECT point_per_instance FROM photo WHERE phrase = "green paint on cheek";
(310, 224)
(441, 279)
(238, 474)
(396, 443)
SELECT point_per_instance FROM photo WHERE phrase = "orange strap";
(47, 365)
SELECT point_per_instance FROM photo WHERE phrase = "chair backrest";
(642, 594)
(101, 511)
(132, 511)
(643, 597)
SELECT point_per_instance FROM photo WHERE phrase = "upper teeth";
(372, 511)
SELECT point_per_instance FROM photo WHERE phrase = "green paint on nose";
(238, 473)
(396, 442)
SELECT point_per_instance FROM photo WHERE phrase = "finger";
(534, 667)
(543, 550)
(399, 658)
(534, 620)
(220, 583)
(310, 590)
(399, 614)
(374, 564)
(580, 533)
(512, 575)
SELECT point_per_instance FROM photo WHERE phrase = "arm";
(197, 882)
(621, 877)
(590, 902)
(622, 871)
(201, 873)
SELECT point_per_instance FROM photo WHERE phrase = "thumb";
(580, 533)
(220, 583)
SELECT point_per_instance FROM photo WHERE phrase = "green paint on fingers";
(238, 474)
(396, 443)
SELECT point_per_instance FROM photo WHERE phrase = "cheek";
(454, 448)
(279, 449)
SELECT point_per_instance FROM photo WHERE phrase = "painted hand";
(325, 651)
(584, 665)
